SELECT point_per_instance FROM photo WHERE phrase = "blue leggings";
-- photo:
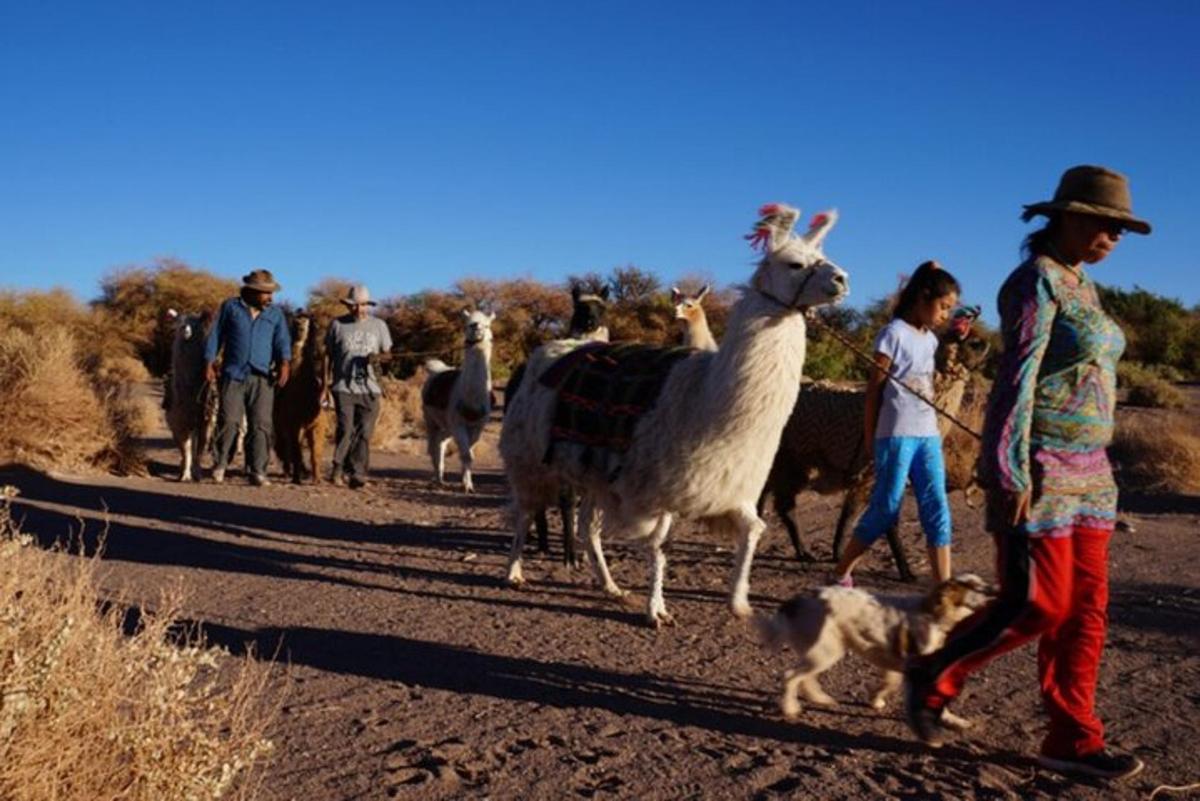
(896, 460)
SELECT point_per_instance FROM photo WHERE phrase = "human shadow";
(242, 519)
(1169, 609)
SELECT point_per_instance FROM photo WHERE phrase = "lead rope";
(866, 357)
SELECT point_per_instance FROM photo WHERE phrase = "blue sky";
(407, 145)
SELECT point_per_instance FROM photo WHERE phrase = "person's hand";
(326, 399)
(210, 373)
(1016, 506)
(285, 372)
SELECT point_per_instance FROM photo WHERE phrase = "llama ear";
(774, 227)
(604, 293)
(703, 291)
(676, 295)
(820, 226)
(575, 293)
(466, 314)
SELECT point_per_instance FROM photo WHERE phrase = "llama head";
(688, 307)
(477, 327)
(794, 271)
(301, 326)
(189, 327)
(587, 314)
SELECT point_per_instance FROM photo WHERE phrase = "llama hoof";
(742, 609)
(514, 579)
(879, 704)
(657, 620)
(184, 477)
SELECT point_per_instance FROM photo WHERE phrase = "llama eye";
(795, 265)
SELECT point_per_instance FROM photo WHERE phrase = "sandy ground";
(409, 671)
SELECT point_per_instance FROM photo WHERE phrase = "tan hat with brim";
(260, 281)
(1098, 191)
(358, 296)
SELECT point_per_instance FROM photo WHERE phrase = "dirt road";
(411, 672)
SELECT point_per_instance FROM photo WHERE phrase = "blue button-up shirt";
(250, 343)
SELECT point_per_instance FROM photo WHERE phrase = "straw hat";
(261, 281)
(357, 296)
(1098, 191)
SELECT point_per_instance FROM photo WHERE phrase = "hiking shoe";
(218, 475)
(1106, 763)
(925, 721)
(356, 483)
(259, 480)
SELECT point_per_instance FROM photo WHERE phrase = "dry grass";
(400, 427)
(1158, 452)
(90, 712)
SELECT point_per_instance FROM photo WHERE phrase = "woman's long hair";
(928, 282)
(1040, 242)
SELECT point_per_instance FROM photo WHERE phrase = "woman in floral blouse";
(1052, 499)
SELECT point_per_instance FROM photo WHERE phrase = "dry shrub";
(400, 426)
(1155, 393)
(89, 712)
(1157, 452)
(53, 417)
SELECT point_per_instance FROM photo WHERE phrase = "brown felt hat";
(1098, 191)
(261, 281)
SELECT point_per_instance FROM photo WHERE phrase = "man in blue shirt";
(252, 335)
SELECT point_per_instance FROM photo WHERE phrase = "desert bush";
(400, 424)
(1157, 452)
(1147, 385)
(133, 301)
(88, 711)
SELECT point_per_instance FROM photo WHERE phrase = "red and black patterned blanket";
(603, 391)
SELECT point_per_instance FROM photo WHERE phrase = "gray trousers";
(356, 416)
(255, 398)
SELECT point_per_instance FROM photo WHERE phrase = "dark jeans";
(356, 416)
(253, 397)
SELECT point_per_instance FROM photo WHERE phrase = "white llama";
(689, 310)
(458, 401)
(704, 449)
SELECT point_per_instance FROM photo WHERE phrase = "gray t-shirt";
(902, 414)
(350, 342)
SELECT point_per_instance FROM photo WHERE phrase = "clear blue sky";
(407, 145)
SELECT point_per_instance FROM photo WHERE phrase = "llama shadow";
(1159, 503)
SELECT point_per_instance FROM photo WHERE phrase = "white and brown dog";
(822, 627)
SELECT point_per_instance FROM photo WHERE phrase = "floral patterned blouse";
(1050, 414)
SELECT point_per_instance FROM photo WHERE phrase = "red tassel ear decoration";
(819, 219)
(768, 210)
(759, 238)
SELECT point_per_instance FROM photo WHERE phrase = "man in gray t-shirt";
(350, 343)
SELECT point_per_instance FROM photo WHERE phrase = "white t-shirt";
(902, 414)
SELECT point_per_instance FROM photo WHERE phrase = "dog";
(885, 631)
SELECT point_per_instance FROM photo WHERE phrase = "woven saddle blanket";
(603, 391)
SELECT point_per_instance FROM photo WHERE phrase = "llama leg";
(785, 505)
(887, 688)
(750, 527)
(656, 610)
(542, 525)
(437, 454)
(590, 532)
(462, 440)
(566, 508)
(316, 449)
(852, 505)
(893, 538)
(185, 450)
(515, 577)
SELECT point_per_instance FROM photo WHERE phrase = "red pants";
(1055, 589)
